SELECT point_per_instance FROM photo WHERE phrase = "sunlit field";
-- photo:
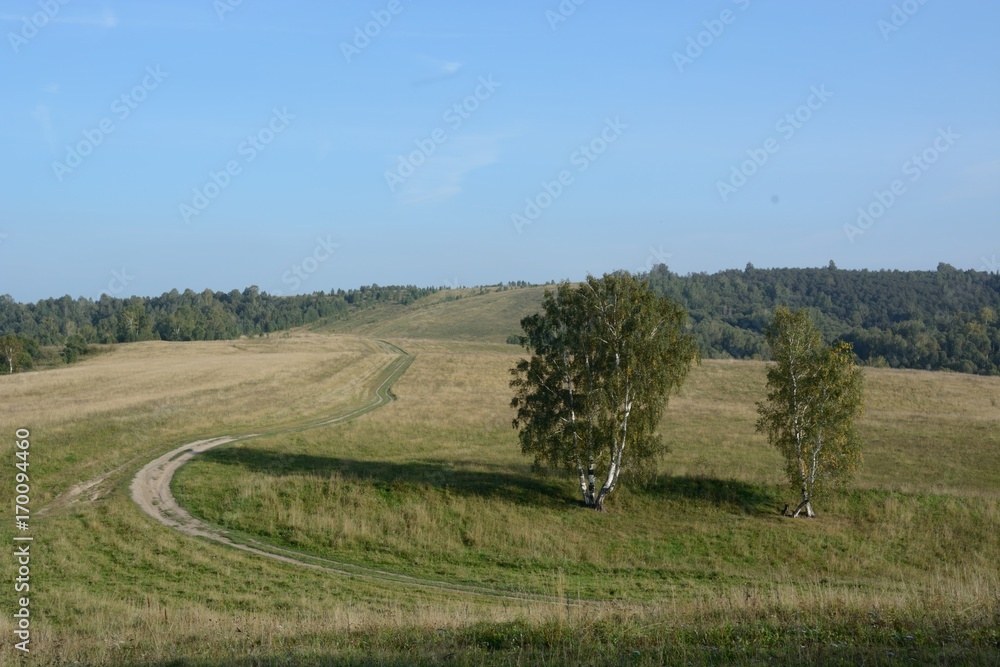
(697, 567)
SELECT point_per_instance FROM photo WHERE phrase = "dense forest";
(943, 319)
(174, 316)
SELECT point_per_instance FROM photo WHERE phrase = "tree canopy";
(814, 396)
(605, 356)
(929, 320)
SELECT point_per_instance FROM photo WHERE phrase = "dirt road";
(151, 492)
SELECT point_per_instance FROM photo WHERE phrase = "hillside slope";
(486, 315)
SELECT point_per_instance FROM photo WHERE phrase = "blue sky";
(312, 145)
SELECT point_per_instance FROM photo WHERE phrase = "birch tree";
(814, 397)
(605, 357)
(11, 352)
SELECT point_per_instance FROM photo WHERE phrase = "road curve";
(151, 492)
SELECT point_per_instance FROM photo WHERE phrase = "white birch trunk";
(615, 467)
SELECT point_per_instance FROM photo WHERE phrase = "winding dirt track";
(151, 492)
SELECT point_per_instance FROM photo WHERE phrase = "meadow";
(696, 568)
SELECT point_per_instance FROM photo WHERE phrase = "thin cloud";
(443, 69)
(442, 176)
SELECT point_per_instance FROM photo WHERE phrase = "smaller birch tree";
(605, 356)
(814, 397)
(11, 352)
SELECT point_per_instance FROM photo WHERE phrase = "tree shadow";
(459, 477)
(730, 493)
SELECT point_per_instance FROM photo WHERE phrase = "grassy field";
(698, 568)
(477, 315)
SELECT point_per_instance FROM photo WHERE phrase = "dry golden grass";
(117, 588)
(93, 416)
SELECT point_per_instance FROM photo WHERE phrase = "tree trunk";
(804, 505)
(591, 483)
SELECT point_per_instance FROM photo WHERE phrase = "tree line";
(931, 320)
(173, 316)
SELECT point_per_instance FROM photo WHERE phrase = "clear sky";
(304, 146)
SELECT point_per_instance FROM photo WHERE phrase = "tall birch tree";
(605, 357)
(814, 397)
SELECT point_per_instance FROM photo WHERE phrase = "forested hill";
(943, 319)
(188, 315)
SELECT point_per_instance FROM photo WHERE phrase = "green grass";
(433, 487)
(462, 314)
(900, 567)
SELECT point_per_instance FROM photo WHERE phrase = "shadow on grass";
(469, 478)
(456, 477)
(727, 493)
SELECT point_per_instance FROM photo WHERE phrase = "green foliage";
(17, 353)
(605, 356)
(184, 316)
(76, 346)
(814, 396)
(11, 350)
(944, 319)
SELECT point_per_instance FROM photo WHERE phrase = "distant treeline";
(943, 319)
(188, 315)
